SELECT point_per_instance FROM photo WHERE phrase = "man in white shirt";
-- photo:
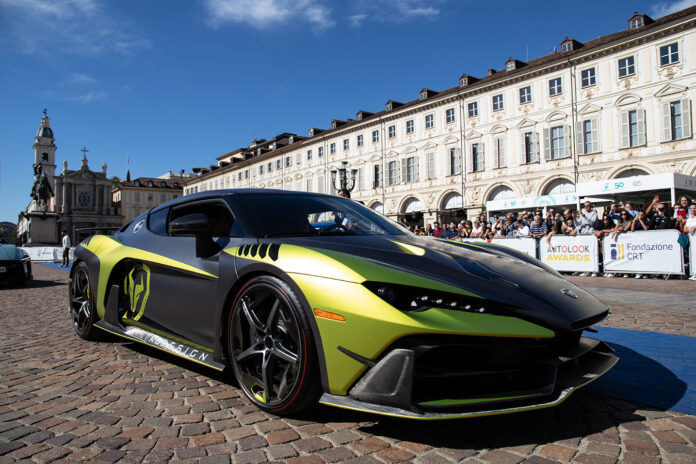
(66, 249)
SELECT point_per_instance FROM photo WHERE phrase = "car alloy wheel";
(82, 303)
(269, 342)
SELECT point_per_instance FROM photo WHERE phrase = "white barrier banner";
(577, 253)
(526, 245)
(648, 252)
(42, 253)
(692, 254)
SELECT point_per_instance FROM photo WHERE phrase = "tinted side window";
(218, 213)
(157, 222)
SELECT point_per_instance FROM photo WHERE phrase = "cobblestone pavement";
(63, 399)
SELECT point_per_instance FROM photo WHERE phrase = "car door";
(182, 288)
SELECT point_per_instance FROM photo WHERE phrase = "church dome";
(44, 131)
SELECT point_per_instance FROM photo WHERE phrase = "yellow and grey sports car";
(312, 298)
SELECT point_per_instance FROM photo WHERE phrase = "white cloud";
(661, 9)
(393, 10)
(262, 14)
(48, 27)
(88, 97)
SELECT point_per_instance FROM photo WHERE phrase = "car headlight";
(416, 299)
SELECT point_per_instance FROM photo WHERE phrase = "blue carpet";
(655, 369)
(55, 266)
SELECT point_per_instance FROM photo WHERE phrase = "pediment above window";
(624, 100)
(556, 116)
(671, 90)
(473, 135)
(590, 108)
(526, 122)
(498, 129)
(430, 145)
(410, 150)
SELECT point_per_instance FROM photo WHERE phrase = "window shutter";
(521, 153)
(416, 168)
(566, 140)
(640, 119)
(496, 144)
(625, 131)
(594, 126)
(458, 160)
(482, 157)
(430, 165)
(579, 139)
(320, 184)
(666, 123)
(535, 147)
(469, 158)
(298, 158)
(404, 170)
(547, 144)
(361, 179)
(503, 155)
(686, 118)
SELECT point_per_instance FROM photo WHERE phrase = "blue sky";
(173, 84)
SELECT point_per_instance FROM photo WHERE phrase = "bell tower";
(45, 149)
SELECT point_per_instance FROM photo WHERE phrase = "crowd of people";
(618, 218)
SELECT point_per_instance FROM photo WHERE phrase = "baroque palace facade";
(613, 107)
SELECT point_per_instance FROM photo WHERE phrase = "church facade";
(80, 200)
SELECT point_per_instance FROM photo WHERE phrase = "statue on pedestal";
(41, 192)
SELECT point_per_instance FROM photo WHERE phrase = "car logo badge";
(138, 226)
(569, 293)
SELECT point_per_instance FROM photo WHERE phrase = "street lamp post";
(342, 175)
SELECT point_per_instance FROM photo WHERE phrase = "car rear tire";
(82, 304)
(271, 347)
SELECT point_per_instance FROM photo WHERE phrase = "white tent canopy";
(611, 188)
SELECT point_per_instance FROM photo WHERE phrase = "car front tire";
(271, 347)
(82, 303)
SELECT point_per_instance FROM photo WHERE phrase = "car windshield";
(283, 215)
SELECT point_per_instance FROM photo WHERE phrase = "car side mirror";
(195, 225)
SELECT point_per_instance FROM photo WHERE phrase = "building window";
(392, 132)
(431, 168)
(555, 87)
(310, 187)
(472, 109)
(499, 159)
(360, 141)
(587, 137)
(530, 147)
(270, 167)
(332, 148)
(525, 95)
(498, 102)
(627, 66)
(346, 144)
(246, 174)
(587, 77)
(453, 162)
(309, 154)
(676, 120)
(320, 152)
(409, 126)
(411, 164)
(298, 158)
(449, 116)
(320, 184)
(377, 179)
(632, 128)
(393, 172)
(429, 121)
(510, 66)
(278, 166)
(476, 163)
(288, 161)
(557, 142)
(262, 169)
(375, 136)
(636, 23)
(669, 54)
(567, 46)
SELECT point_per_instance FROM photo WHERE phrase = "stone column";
(67, 200)
(58, 198)
(107, 200)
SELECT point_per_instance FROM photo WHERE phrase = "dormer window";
(311, 132)
(163, 184)
(136, 183)
(389, 106)
(274, 146)
(176, 185)
(636, 22)
(291, 139)
(333, 124)
(258, 151)
(567, 46)
(149, 183)
(510, 65)
(423, 94)
(463, 81)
